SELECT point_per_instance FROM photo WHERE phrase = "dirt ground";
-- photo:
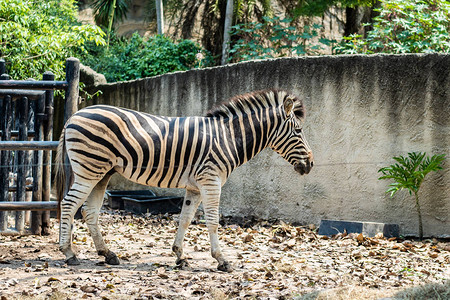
(272, 260)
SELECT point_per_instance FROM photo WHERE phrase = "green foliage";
(244, 10)
(139, 58)
(38, 36)
(318, 7)
(275, 37)
(409, 172)
(404, 26)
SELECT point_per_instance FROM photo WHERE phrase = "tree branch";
(36, 56)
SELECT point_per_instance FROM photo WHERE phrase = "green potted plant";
(409, 173)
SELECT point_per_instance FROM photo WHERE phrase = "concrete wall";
(361, 111)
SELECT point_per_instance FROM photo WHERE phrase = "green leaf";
(409, 172)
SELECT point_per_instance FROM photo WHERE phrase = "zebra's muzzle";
(303, 168)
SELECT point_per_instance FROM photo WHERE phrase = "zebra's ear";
(288, 105)
(299, 111)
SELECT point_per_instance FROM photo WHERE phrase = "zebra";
(194, 153)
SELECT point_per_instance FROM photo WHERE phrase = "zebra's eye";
(297, 130)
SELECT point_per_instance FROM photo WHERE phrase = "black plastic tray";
(154, 205)
(115, 198)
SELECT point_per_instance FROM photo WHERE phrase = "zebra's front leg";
(211, 200)
(90, 212)
(72, 201)
(192, 200)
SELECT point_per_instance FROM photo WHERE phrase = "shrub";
(404, 26)
(139, 58)
(275, 37)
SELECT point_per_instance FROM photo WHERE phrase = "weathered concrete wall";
(361, 111)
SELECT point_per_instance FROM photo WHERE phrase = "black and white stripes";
(195, 153)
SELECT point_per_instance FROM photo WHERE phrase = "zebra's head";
(289, 140)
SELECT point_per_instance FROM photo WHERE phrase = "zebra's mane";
(242, 103)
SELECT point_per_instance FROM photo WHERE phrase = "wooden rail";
(16, 94)
(34, 85)
(34, 206)
(29, 145)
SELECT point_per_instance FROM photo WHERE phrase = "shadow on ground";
(427, 291)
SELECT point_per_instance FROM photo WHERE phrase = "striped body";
(195, 153)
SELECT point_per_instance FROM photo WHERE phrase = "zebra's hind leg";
(72, 201)
(90, 211)
(211, 199)
(190, 205)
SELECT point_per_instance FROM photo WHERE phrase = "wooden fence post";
(72, 92)
(2, 67)
(22, 161)
(47, 159)
(36, 217)
(5, 124)
(71, 103)
(5, 120)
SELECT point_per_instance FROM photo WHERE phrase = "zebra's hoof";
(182, 264)
(112, 259)
(225, 267)
(72, 261)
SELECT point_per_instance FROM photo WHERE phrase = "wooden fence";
(26, 126)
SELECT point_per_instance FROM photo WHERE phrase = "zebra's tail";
(60, 172)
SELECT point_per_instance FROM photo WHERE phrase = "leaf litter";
(271, 260)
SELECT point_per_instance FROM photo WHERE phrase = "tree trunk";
(213, 26)
(110, 21)
(226, 31)
(355, 18)
(420, 215)
(188, 15)
(351, 21)
(160, 16)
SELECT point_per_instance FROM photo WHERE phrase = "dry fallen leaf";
(360, 238)
(52, 279)
(433, 255)
(248, 238)
(279, 261)
(88, 289)
(109, 286)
